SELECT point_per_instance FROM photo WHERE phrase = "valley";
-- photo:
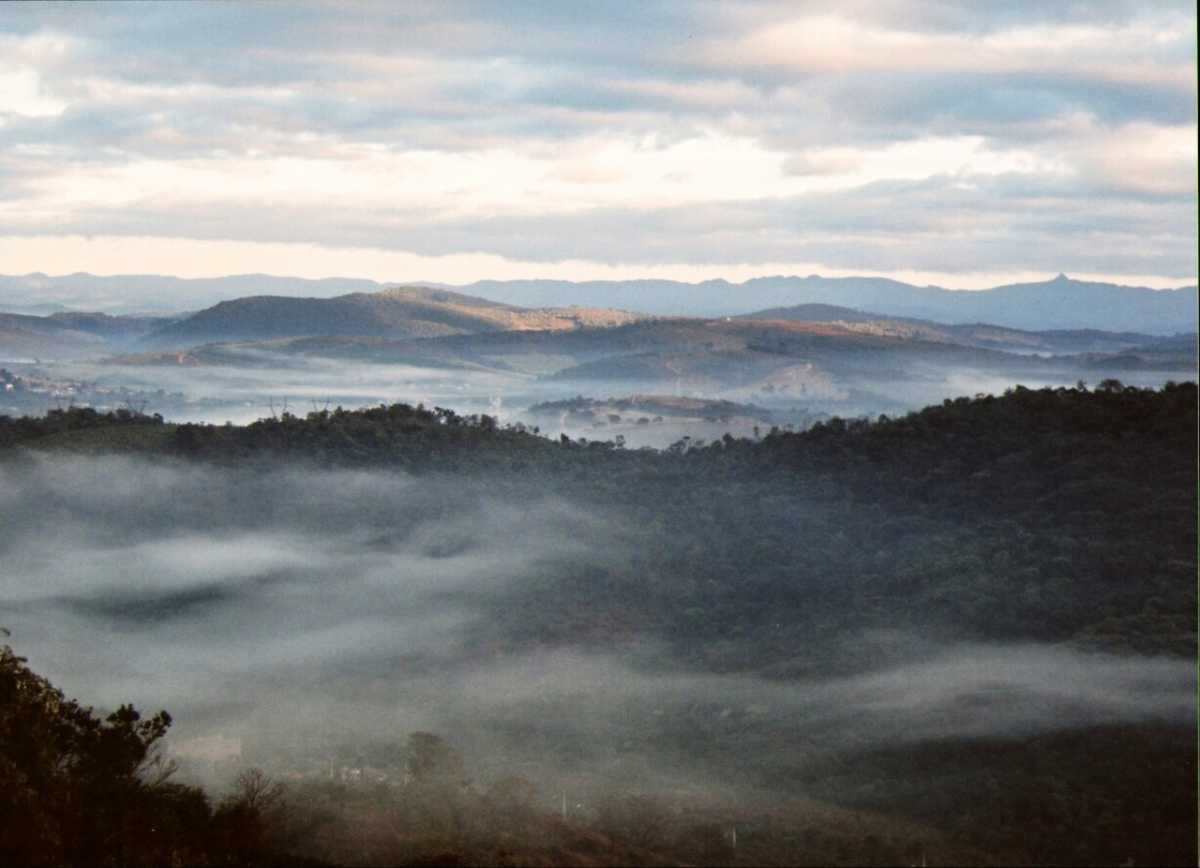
(964, 634)
(806, 585)
(599, 434)
(245, 358)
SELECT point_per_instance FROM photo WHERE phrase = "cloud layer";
(472, 139)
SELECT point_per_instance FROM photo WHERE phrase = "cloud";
(838, 44)
(401, 123)
(1144, 158)
(1096, 223)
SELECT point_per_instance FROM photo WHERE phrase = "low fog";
(269, 383)
(253, 383)
(297, 611)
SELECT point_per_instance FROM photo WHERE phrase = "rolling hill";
(856, 364)
(396, 312)
(70, 335)
(983, 335)
(809, 359)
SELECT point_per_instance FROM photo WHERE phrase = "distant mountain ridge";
(1060, 303)
(156, 294)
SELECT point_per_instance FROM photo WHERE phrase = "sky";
(955, 143)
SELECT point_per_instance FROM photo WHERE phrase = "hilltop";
(984, 335)
(409, 311)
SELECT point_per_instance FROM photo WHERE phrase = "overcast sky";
(964, 144)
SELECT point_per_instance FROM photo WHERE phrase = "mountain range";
(1060, 303)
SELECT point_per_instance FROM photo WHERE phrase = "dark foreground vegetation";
(81, 789)
(1062, 517)
(77, 788)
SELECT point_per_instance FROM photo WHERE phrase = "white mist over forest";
(283, 603)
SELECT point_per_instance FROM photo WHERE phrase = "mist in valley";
(314, 615)
(251, 383)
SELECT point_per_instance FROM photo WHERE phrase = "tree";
(248, 818)
(78, 789)
(256, 791)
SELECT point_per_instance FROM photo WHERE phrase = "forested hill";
(1062, 514)
(1061, 518)
(968, 442)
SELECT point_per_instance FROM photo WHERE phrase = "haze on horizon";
(947, 144)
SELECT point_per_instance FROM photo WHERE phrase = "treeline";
(29, 430)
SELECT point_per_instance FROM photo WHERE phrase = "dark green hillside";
(1060, 519)
(1055, 514)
